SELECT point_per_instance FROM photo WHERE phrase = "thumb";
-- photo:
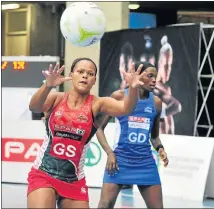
(66, 79)
(45, 73)
(141, 83)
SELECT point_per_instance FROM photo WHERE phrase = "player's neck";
(76, 99)
(143, 94)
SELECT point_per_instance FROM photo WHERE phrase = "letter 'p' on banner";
(20, 150)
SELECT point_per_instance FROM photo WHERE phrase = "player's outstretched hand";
(132, 77)
(54, 77)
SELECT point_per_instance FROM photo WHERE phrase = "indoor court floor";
(14, 196)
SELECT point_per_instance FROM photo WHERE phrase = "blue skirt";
(143, 172)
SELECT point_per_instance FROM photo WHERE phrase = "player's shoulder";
(53, 100)
(158, 103)
(57, 94)
(118, 95)
(157, 99)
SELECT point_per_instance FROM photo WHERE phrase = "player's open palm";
(132, 77)
(54, 77)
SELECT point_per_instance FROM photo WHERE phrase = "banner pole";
(205, 97)
(199, 61)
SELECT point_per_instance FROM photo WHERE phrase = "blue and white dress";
(132, 146)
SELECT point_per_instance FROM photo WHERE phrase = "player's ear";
(95, 80)
(71, 75)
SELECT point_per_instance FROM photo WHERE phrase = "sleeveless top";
(133, 132)
(69, 132)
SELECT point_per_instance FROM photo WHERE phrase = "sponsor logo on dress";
(69, 129)
(82, 118)
(67, 135)
(83, 190)
(148, 109)
(58, 113)
(139, 119)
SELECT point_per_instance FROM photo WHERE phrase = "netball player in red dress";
(57, 173)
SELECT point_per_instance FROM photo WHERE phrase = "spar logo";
(93, 155)
(20, 150)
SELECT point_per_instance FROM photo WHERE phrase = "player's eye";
(91, 74)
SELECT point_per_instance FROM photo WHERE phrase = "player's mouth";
(152, 86)
(83, 82)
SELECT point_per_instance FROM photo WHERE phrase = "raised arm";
(113, 107)
(43, 100)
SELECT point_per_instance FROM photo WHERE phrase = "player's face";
(149, 78)
(83, 76)
(165, 63)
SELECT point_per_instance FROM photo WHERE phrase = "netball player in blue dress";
(132, 146)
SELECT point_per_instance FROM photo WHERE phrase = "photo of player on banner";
(171, 105)
(172, 53)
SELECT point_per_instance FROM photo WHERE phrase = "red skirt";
(76, 190)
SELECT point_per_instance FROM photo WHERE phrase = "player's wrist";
(160, 147)
(109, 152)
(48, 86)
